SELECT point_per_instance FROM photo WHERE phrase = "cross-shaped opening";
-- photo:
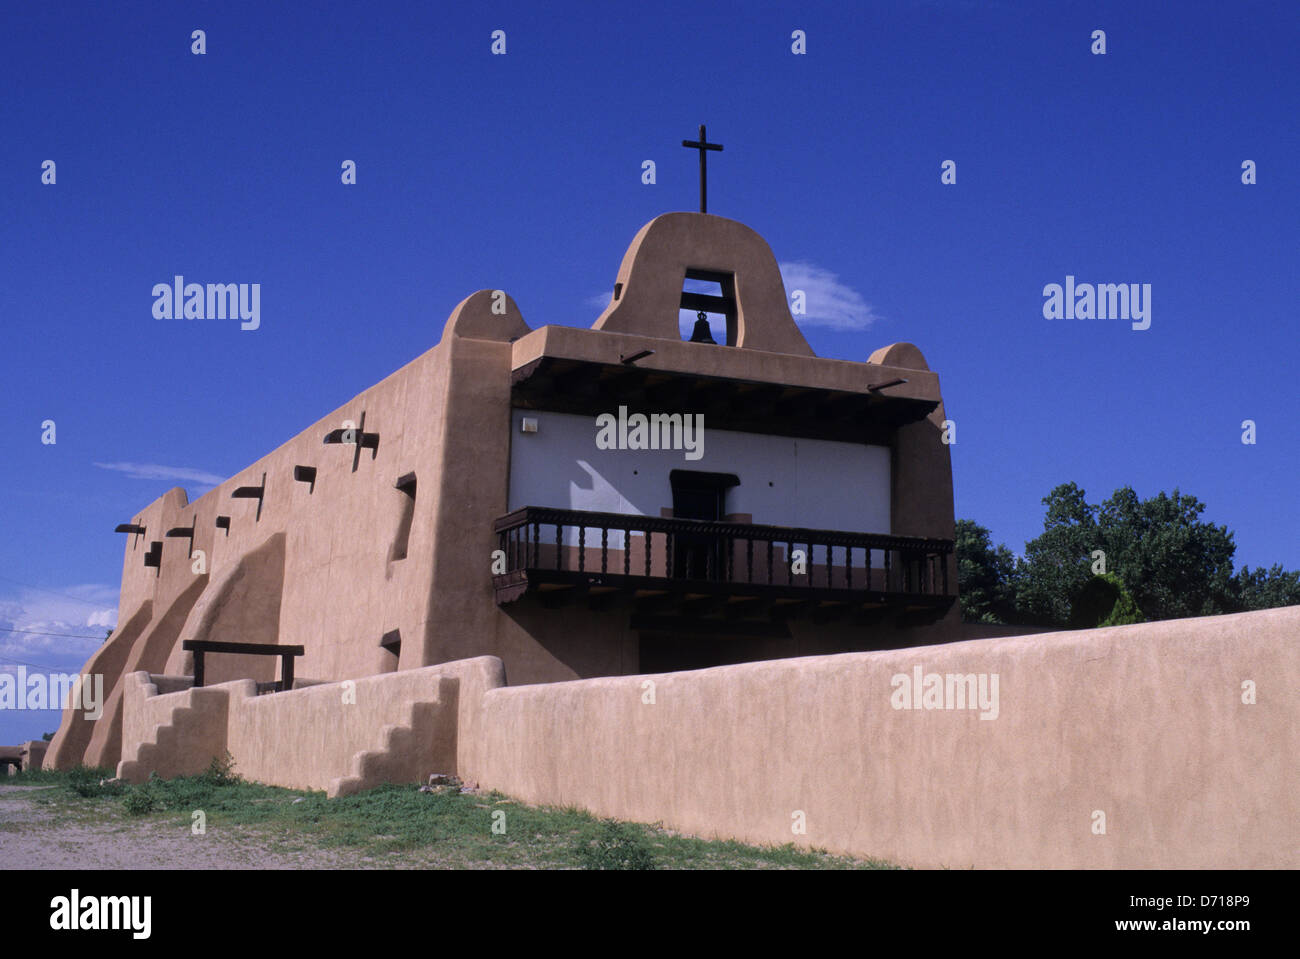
(708, 295)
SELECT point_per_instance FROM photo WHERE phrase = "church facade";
(575, 502)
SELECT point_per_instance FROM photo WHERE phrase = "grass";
(400, 825)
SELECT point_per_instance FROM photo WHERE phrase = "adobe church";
(753, 502)
(671, 578)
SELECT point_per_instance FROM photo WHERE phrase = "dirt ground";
(38, 837)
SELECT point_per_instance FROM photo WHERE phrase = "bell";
(702, 333)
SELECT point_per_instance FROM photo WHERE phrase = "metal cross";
(702, 145)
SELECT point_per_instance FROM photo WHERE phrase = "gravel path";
(36, 837)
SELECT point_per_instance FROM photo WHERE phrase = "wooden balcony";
(720, 575)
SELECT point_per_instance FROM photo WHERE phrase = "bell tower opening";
(706, 293)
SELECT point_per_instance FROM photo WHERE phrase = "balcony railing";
(550, 549)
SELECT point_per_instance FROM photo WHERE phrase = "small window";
(406, 488)
(391, 643)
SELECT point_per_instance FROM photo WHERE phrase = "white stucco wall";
(783, 481)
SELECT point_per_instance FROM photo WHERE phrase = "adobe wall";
(307, 738)
(313, 567)
(148, 703)
(921, 473)
(469, 491)
(1143, 723)
(32, 753)
(311, 737)
(170, 727)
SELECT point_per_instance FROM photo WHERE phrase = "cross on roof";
(702, 145)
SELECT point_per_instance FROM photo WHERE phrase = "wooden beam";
(254, 649)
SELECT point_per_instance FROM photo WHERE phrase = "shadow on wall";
(148, 653)
(244, 608)
(536, 640)
(68, 747)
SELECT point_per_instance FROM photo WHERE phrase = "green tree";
(1103, 601)
(1169, 561)
(1058, 563)
(1172, 563)
(1265, 589)
(985, 576)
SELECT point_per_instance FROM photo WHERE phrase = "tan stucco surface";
(1143, 723)
(337, 737)
(171, 733)
(310, 738)
(655, 265)
(595, 346)
(32, 753)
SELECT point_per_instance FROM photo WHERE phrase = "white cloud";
(598, 301)
(106, 617)
(85, 611)
(829, 302)
(202, 480)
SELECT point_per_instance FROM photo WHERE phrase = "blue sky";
(523, 172)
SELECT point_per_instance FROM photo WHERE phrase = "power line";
(37, 632)
(19, 662)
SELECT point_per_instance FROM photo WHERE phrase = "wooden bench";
(286, 653)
